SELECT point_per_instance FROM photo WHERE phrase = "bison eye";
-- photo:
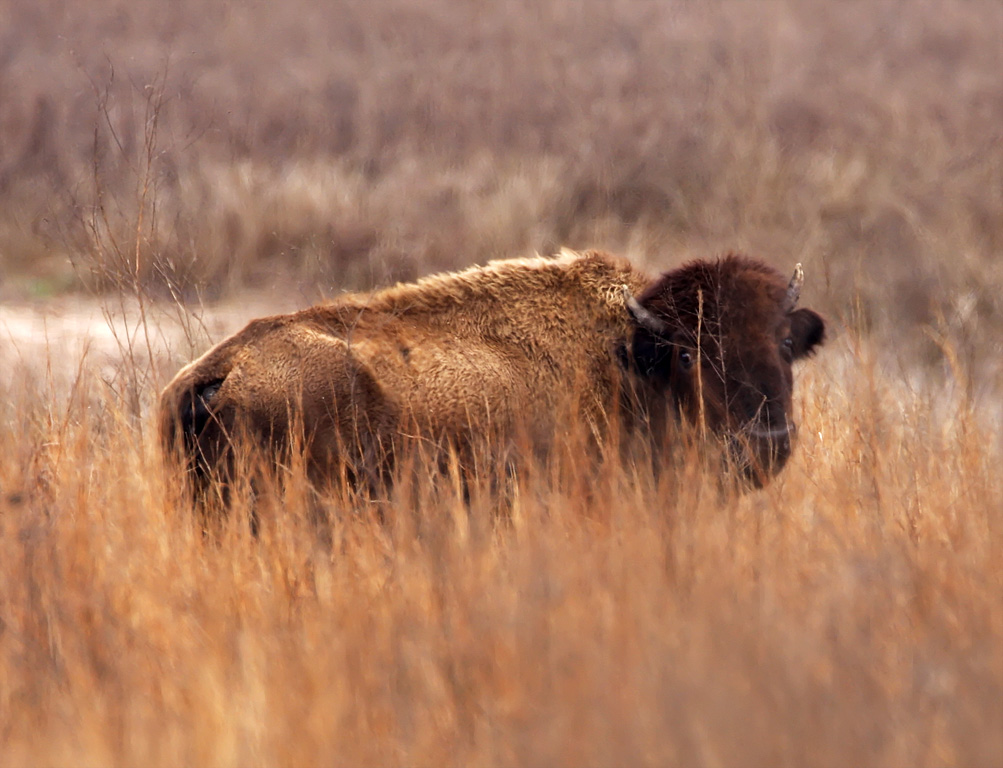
(787, 348)
(685, 360)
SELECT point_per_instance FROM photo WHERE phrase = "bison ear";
(807, 331)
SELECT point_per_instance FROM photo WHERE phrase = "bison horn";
(643, 317)
(794, 289)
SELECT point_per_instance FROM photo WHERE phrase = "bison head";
(721, 337)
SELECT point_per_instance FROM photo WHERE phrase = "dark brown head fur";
(725, 349)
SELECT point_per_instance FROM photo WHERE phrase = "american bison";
(500, 355)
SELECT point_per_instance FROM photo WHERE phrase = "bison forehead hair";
(729, 298)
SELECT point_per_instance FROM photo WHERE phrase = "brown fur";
(729, 317)
(483, 356)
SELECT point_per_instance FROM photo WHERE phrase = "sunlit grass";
(848, 614)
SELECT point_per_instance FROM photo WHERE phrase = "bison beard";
(469, 364)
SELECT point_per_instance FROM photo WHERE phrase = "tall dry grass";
(849, 614)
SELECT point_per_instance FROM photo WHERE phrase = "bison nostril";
(772, 414)
(754, 408)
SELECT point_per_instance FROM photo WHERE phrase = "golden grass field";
(168, 171)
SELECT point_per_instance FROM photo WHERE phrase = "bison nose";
(760, 402)
(776, 444)
(763, 451)
(765, 415)
(773, 434)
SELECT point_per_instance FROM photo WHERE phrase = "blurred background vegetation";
(199, 149)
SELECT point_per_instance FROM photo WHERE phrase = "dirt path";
(57, 337)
